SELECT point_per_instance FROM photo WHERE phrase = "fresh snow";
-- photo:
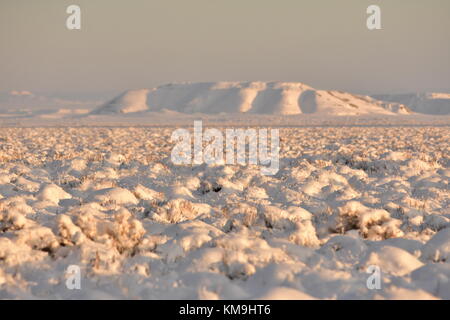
(109, 200)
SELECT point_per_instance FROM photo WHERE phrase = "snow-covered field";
(110, 201)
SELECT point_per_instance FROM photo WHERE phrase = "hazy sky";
(144, 43)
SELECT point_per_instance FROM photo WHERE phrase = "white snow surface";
(109, 200)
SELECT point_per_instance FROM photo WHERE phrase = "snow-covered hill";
(428, 103)
(278, 98)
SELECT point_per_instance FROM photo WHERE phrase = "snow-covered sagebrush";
(110, 201)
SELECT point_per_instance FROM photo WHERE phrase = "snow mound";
(53, 193)
(393, 260)
(278, 98)
(438, 248)
(116, 195)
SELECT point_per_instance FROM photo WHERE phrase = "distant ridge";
(428, 103)
(277, 98)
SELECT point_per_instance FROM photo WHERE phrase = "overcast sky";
(144, 43)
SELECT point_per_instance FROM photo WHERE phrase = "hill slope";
(428, 103)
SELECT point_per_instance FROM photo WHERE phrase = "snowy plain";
(99, 190)
(111, 201)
